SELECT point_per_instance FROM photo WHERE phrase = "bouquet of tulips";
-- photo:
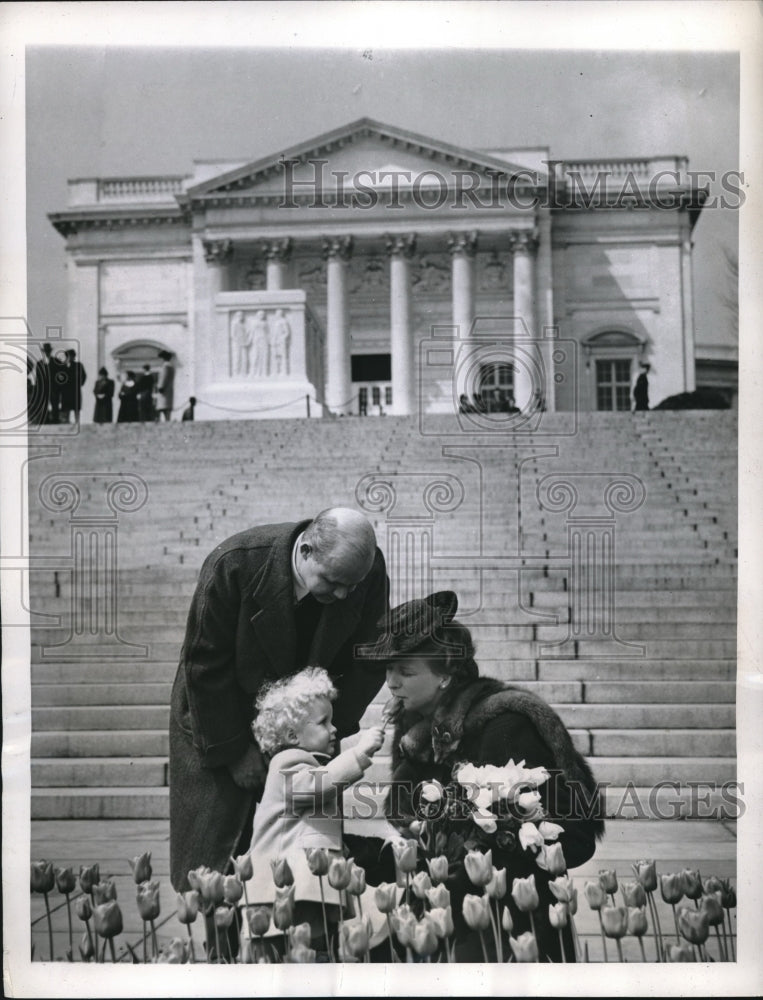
(488, 807)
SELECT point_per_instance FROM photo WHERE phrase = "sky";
(111, 111)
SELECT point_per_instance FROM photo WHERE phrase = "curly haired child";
(301, 805)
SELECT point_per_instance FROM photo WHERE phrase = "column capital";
(217, 251)
(465, 243)
(337, 246)
(523, 241)
(404, 246)
(278, 249)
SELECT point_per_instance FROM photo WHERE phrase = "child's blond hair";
(282, 705)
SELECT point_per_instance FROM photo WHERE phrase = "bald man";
(269, 602)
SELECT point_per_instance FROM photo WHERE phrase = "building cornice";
(72, 221)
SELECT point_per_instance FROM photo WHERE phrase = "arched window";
(136, 354)
(612, 355)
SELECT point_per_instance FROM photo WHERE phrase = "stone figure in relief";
(280, 343)
(241, 342)
(260, 343)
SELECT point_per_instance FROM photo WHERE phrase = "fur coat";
(490, 722)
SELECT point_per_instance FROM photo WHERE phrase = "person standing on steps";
(103, 390)
(145, 388)
(188, 412)
(165, 387)
(641, 390)
(269, 601)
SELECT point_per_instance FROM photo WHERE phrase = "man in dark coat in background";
(641, 390)
(145, 386)
(46, 384)
(269, 601)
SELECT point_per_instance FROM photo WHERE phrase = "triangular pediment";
(362, 153)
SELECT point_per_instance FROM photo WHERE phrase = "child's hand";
(370, 740)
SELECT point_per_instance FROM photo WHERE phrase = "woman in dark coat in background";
(103, 390)
(448, 715)
(128, 400)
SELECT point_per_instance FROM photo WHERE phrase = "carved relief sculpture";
(241, 342)
(260, 343)
(280, 343)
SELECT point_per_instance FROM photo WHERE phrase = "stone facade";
(374, 270)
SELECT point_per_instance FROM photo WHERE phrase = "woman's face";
(413, 681)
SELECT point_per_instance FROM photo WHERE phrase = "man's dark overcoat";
(240, 633)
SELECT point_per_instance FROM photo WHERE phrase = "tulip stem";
(391, 945)
(619, 950)
(731, 937)
(154, 942)
(603, 939)
(112, 950)
(494, 925)
(206, 934)
(641, 946)
(103, 953)
(675, 921)
(50, 925)
(145, 953)
(575, 938)
(190, 942)
(93, 950)
(721, 950)
(657, 930)
(561, 943)
(532, 925)
(218, 955)
(69, 917)
(325, 921)
(482, 942)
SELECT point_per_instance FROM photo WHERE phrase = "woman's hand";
(370, 740)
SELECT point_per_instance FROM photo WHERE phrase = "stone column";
(277, 256)
(400, 250)
(523, 246)
(337, 251)
(463, 247)
(212, 353)
(218, 255)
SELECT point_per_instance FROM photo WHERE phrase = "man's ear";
(305, 550)
(444, 682)
(291, 736)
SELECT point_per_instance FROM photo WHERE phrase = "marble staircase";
(652, 700)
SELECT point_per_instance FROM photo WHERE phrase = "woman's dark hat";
(409, 625)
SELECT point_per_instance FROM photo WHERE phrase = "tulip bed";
(417, 910)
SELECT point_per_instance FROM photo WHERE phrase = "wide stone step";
(673, 649)
(648, 716)
(111, 772)
(721, 693)
(664, 600)
(662, 743)
(100, 803)
(115, 743)
(49, 695)
(627, 669)
(106, 717)
(96, 672)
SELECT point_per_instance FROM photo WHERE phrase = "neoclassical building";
(374, 270)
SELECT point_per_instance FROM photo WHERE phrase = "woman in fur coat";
(446, 715)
